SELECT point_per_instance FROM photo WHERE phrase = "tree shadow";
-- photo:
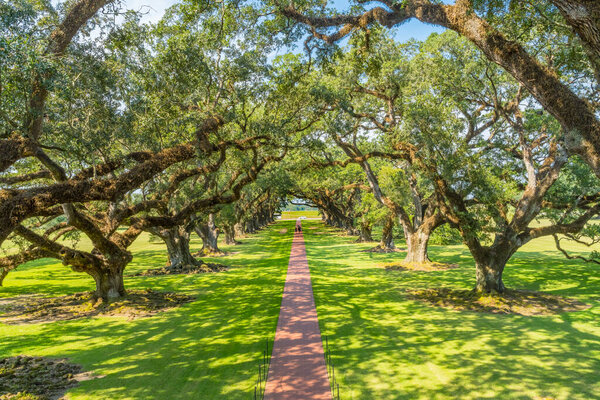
(390, 347)
(205, 349)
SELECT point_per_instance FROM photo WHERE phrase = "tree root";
(199, 268)
(521, 302)
(420, 267)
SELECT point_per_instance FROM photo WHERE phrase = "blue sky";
(412, 29)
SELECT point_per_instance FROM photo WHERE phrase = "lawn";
(297, 214)
(384, 345)
(388, 347)
(208, 349)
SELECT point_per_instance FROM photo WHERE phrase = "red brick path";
(298, 370)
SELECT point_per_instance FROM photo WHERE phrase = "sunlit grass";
(208, 349)
(297, 214)
(388, 347)
(384, 345)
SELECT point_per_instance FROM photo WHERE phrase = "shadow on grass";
(389, 347)
(207, 349)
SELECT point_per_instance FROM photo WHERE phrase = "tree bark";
(230, 234)
(3, 274)
(490, 261)
(418, 232)
(250, 226)
(387, 235)
(416, 245)
(209, 234)
(489, 276)
(364, 234)
(238, 229)
(584, 17)
(109, 283)
(177, 241)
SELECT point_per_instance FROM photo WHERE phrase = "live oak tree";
(504, 32)
(365, 93)
(98, 161)
(493, 182)
(257, 206)
(190, 44)
(336, 193)
(430, 135)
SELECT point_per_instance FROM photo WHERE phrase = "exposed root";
(521, 302)
(136, 304)
(210, 253)
(420, 267)
(379, 249)
(200, 268)
(38, 378)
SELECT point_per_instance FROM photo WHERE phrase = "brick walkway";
(298, 370)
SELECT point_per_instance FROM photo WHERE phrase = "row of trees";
(490, 127)
(110, 127)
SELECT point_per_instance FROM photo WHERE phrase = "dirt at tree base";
(520, 302)
(38, 378)
(209, 253)
(186, 269)
(419, 267)
(136, 304)
(379, 249)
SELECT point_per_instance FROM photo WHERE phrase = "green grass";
(297, 214)
(388, 347)
(384, 346)
(208, 349)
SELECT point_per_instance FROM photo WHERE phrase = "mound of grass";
(521, 302)
(136, 304)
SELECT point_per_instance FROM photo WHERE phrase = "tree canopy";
(209, 121)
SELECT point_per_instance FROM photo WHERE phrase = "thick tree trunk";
(490, 261)
(209, 234)
(230, 235)
(387, 236)
(3, 274)
(178, 248)
(489, 276)
(250, 226)
(416, 246)
(364, 234)
(109, 283)
(238, 229)
(177, 240)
